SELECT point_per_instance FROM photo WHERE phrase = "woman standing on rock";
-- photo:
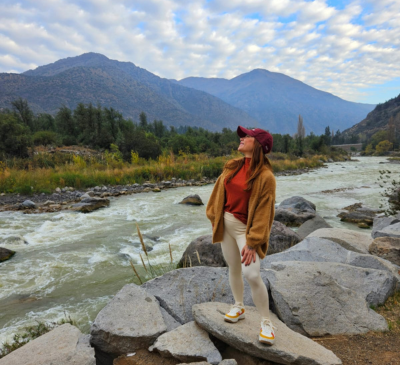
(241, 209)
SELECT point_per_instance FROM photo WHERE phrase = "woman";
(241, 209)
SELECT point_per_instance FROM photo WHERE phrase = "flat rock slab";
(313, 299)
(188, 342)
(350, 240)
(130, 321)
(64, 345)
(289, 347)
(178, 290)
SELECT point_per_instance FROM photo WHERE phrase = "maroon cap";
(262, 136)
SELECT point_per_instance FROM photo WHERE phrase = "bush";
(45, 138)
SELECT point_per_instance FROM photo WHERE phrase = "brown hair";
(258, 161)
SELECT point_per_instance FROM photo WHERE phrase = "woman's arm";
(210, 209)
(263, 217)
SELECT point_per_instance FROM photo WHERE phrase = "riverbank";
(204, 170)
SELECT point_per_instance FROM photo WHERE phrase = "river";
(74, 263)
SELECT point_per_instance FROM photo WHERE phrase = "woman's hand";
(248, 255)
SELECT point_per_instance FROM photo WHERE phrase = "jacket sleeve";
(210, 209)
(263, 216)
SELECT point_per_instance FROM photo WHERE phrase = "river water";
(74, 263)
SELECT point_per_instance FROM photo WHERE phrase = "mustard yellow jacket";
(260, 214)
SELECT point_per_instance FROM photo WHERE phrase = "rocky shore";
(64, 198)
(324, 282)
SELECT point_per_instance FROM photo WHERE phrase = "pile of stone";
(362, 216)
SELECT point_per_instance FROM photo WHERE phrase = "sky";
(349, 48)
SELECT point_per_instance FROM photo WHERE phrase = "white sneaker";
(236, 312)
(267, 332)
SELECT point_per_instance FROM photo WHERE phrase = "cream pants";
(232, 244)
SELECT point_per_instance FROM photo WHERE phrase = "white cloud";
(340, 51)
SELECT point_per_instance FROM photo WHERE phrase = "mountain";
(378, 119)
(93, 78)
(276, 100)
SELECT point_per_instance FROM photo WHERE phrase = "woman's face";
(246, 145)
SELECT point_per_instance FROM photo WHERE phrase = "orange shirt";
(236, 198)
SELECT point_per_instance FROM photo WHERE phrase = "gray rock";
(88, 205)
(187, 343)
(122, 326)
(48, 202)
(312, 225)
(386, 247)
(192, 200)
(312, 302)
(374, 285)
(64, 345)
(6, 254)
(292, 219)
(14, 240)
(289, 348)
(177, 291)
(316, 249)
(28, 204)
(356, 213)
(202, 252)
(381, 223)
(58, 190)
(392, 230)
(228, 362)
(350, 240)
(169, 321)
(281, 238)
(298, 203)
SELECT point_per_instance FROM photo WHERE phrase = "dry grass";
(81, 172)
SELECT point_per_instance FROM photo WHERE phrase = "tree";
(14, 137)
(383, 147)
(301, 130)
(21, 108)
(328, 140)
(143, 120)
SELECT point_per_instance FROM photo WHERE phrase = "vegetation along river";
(74, 263)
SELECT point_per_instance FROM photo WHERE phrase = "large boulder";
(294, 211)
(393, 230)
(177, 291)
(64, 345)
(90, 204)
(193, 199)
(187, 343)
(386, 247)
(314, 249)
(122, 326)
(290, 347)
(349, 239)
(318, 299)
(281, 238)
(312, 225)
(6, 254)
(202, 252)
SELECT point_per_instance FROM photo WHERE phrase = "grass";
(151, 271)
(391, 311)
(44, 172)
(30, 333)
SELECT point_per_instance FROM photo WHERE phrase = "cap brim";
(242, 132)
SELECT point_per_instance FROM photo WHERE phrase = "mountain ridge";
(259, 98)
